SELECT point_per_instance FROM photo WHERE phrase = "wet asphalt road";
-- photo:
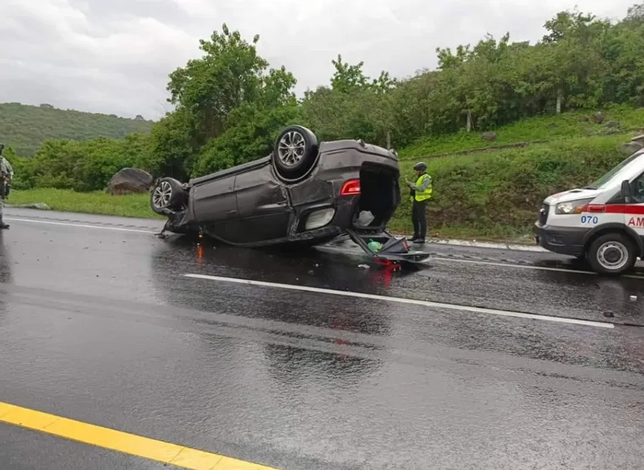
(100, 324)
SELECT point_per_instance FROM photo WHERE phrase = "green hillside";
(615, 119)
(24, 128)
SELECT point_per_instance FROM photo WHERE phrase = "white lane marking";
(523, 266)
(401, 300)
(68, 224)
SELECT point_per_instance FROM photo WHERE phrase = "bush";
(81, 166)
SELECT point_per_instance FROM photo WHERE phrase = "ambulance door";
(634, 210)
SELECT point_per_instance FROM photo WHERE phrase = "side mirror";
(626, 191)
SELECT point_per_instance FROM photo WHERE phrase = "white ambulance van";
(602, 223)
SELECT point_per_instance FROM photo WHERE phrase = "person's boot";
(3, 226)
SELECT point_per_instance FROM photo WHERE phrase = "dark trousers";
(419, 219)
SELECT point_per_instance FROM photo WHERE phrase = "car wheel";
(167, 194)
(295, 152)
(612, 254)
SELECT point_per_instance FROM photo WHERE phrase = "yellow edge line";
(106, 438)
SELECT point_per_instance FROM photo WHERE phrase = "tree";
(173, 144)
(225, 77)
(354, 106)
(347, 78)
(252, 127)
(226, 94)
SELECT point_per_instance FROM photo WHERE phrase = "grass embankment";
(497, 196)
(547, 128)
(136, 205)
(494, 195)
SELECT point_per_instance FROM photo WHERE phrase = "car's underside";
(348, 188)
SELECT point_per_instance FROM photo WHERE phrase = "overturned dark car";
(305, 192)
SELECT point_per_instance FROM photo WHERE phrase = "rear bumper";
(562, 240)
(343, 207)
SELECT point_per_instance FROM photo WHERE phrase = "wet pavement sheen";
(102, 326)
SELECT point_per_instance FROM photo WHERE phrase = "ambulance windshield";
(607, 177)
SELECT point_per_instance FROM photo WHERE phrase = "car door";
(215, 205)
(264, 212)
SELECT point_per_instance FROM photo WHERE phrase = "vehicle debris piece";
(374, 246)
(364, 219)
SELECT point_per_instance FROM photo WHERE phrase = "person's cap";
(420, 166)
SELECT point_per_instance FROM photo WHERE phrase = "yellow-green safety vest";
(421, 196)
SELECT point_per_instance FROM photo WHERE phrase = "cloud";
(114, 56)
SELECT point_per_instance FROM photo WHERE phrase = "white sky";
(114, 56)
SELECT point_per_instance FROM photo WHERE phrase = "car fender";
(616, 227)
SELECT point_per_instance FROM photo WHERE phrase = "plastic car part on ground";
(364, 219)
(374, 246)
(386, 247)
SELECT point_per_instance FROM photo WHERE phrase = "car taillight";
(350, 188)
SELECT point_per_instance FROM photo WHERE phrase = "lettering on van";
(636, 222)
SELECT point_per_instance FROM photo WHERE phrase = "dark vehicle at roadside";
(304, 192)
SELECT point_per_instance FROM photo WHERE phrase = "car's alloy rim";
(162, 193)
(612, 255)
(291, 147)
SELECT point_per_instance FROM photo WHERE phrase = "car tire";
(612, 254)
(167, 195)
(295, 152)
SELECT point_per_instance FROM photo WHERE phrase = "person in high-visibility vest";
(421, 192)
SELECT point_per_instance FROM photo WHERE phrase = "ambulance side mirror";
(626, 191)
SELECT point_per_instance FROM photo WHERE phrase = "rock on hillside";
(129, 181)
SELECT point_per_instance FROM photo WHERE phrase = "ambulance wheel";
(612, 254)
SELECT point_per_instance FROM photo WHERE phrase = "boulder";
(638, 139)
(489, 136)
(609, 130)
(630, 148)
(612, 124)
(598, 117)
(130, 180)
